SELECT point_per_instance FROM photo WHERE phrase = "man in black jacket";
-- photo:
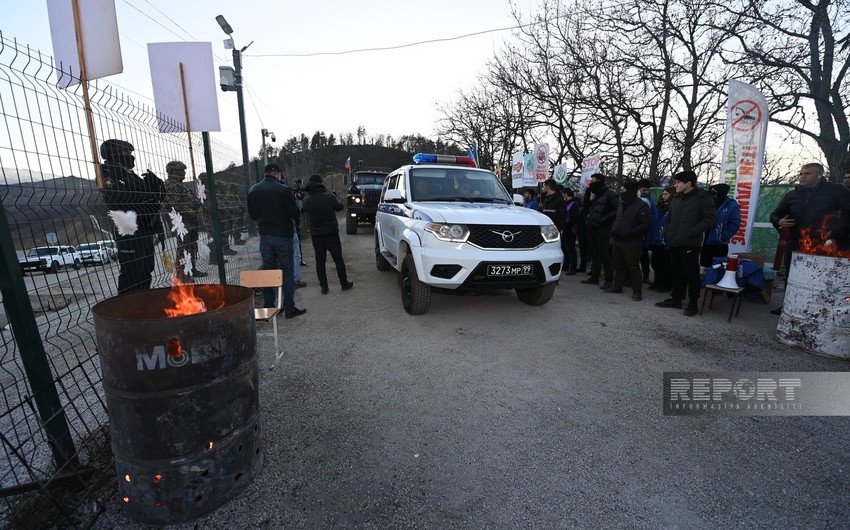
(633, 221)
(601, 211)
(272, 205)
(134, 204)
(814, 206)
(691, 213)
(321, 206)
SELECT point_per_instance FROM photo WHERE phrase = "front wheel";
(351, 225)
(415, 295)
(536, 295)
(77, 264)
(54, 267)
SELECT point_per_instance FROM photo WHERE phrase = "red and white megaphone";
(728, 281)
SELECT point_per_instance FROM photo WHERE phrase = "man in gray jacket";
(692, 212)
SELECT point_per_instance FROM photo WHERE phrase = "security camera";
(226, 78)
(273, 137)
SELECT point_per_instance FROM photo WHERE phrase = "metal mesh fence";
(60, 231)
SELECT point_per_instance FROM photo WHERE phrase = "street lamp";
(232, 80)
(267, 134)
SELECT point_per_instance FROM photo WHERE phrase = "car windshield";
(370, 180)
(87, 246)
(457, 185)
(44, 251)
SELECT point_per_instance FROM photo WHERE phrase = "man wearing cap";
(272, 205)
(691, 213)
(321, 206)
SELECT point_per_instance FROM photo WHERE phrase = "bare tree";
(799, 55)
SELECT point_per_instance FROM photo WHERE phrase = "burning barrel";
(182, 392)
(816, 311)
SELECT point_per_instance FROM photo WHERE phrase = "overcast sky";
(392, 92)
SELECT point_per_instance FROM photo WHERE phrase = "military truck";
(364, 194)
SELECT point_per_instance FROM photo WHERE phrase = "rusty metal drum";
(816, 311)
(182, 394)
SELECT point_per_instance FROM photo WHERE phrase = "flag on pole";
(473, 154)
(348, 163)
(747, 117)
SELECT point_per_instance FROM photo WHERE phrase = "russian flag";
(348, 163)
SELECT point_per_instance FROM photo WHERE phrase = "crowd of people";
(625, 235)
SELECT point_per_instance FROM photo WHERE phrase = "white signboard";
(99, 32)
(198, 79)
(743, 154)
(517, 170)
(528, 179)
(541, 162)
(561, 174)
(589, 166)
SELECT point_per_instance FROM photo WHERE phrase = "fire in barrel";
(181, 378)
(816, 312)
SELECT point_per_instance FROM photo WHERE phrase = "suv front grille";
(491, 236)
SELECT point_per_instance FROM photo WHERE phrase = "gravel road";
(485, 412)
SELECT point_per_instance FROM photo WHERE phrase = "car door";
(388, 216)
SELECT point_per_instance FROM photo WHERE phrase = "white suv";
(444, 224)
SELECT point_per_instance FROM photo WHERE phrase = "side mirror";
(393, 195)
(518, 200)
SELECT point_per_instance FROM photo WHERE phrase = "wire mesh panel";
(64, 239)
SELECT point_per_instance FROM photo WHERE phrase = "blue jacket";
(533, 204)
(655, 237)
(727, 225)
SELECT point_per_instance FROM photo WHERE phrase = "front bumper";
(461, 266)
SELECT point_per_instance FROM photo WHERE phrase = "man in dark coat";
(633, 221)
(272, 205)
(817, 207)
(601, 211)
(691, 213)
(321, 206)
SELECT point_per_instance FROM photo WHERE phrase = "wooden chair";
(266, 278)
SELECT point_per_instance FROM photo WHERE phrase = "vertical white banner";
(517, 170)
(541, 162)
(743, 154)
(528, 179)
(589, 166)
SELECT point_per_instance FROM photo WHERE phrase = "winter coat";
(573, 210)
(633, 221)
(727, 224)
(272, 205)
(555, 208)
(691, 215)
(603, 209)
(532, 203)
(810, 206)
(321, 206)
(655, 236)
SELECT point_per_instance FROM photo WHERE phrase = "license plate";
(510, 270)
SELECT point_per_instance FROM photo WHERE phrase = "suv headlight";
(444, 232)
(550, 233)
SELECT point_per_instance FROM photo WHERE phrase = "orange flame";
(183, 298)
(814, 241)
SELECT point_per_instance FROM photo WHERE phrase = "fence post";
(34, 358)
(213, 198)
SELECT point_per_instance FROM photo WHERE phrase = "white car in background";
(442, 223)
(50, 259)
(93, 253)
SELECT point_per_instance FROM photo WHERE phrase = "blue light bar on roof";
(424, 158)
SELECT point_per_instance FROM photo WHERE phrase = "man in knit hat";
(182, 200)
(321, 206)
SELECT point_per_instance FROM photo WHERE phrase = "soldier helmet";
(174, 167)
(114, 148)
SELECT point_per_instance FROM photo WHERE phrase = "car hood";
(477, 213)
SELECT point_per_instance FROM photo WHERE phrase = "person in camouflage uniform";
(236, 211)
(183, 200)
(223, 219)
